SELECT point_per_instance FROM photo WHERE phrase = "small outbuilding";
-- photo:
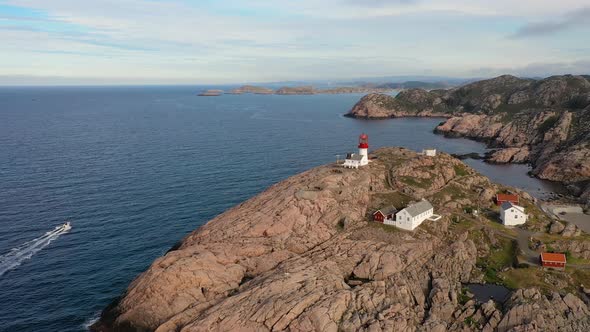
(384, 214)
(512, 214)
(430, 152)
(553, 260)
(503, 198)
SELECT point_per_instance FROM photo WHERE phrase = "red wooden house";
(381, 215)
(556, 261)
(503, 198)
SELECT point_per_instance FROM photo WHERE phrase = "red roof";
(551, 257)
(506, 198)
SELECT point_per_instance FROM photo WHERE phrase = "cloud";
(571, 20)
(261, 40)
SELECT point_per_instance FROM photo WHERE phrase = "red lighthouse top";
(364, 141)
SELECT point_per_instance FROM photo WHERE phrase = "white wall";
(512, 217)
(351, 163)
(405, 221)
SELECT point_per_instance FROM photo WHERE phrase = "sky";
(235, 41)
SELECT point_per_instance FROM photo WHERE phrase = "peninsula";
(305, 255)
(542, 122)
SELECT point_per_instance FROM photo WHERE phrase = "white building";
(429, 152)
(354, 160)
(412, 216)
(512, 214)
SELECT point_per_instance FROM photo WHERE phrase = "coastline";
(289, 256)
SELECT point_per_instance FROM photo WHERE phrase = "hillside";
(543, 122)
(303, 256)
(415, 85)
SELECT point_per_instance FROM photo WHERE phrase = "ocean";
(135, 169)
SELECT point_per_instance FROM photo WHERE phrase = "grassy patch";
(416, 182)
(499, 258)
(469, 321)
(523, 278)
(548, 124)
(463, 297)
(536, 215)
(395, 199)
(581, 277)
(460, 223)
(460, 170)
(450, 190)
(575, 260)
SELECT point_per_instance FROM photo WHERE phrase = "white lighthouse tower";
(364, 148)
(354, 160)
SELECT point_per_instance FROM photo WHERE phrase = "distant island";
(308, 254)
(295, 90)
(310, 90)
(544, 122)
(211, 93)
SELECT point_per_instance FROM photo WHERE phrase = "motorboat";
(67, 226)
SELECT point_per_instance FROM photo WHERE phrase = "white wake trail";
(16, 256)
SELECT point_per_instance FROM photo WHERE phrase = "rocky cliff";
(302, 256)
(543, 122)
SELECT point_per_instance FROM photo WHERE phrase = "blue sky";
(233, 41)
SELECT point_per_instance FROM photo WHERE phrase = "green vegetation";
(469, 321)
(575, 260)
(416, 182)
(581, 277)
(451, 190)
(459, 223)
(548, 124)
(463, 297)
(340, 224)
(499, 258)
(460, 170)
(395, 199)
(523, 278)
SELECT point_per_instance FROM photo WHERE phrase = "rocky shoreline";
(545, 123)
(304, 256)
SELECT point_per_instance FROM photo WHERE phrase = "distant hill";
(544, 122)
(416, 84)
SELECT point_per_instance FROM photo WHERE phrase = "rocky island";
(304, 256)
(211, 93)
(307, 90)
(542, 122)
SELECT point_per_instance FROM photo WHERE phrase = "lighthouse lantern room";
(354, 160)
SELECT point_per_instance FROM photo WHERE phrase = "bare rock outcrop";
(301, 256)
(510, 155)
(542, 122)
(529, 310)
(381, 106)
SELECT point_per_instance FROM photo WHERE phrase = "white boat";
(67, 226)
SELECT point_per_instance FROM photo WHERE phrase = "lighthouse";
(354, 160)
(364, 147)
